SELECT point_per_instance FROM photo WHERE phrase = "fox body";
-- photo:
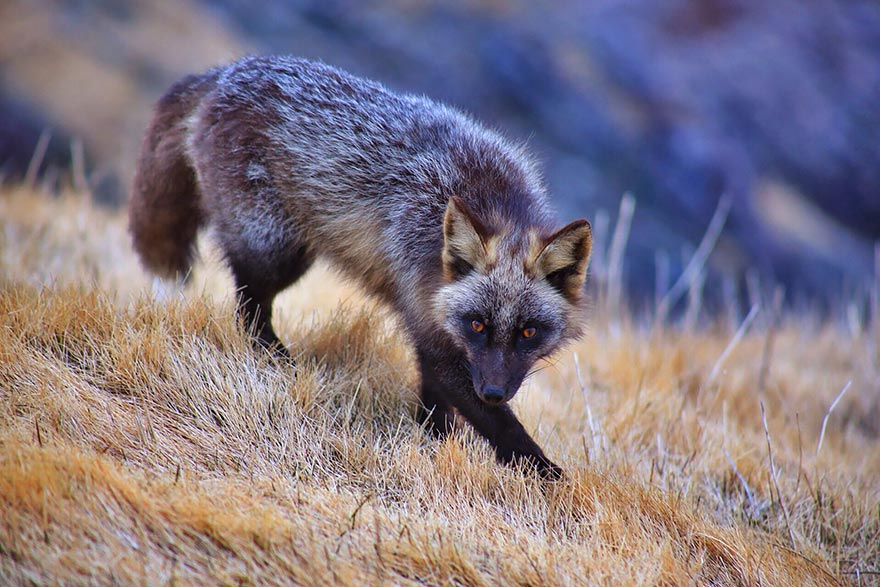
(444, 220)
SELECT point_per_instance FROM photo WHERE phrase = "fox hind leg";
(258, 283)
(264, 262)
(248, 213)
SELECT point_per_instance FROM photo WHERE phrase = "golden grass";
(144, 442)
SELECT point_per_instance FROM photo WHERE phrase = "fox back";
(446, 221)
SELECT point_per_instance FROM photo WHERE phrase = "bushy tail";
(165, 211)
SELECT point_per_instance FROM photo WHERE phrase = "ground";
(143, 441)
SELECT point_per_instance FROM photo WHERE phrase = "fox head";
(511, 297)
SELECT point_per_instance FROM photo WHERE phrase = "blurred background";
(775, 105)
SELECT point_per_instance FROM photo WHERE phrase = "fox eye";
(478, 326)
(529, 332)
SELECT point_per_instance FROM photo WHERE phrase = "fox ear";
(563, 260)
(466, 241)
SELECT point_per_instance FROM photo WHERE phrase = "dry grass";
(144, 442)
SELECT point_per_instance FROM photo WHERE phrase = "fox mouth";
(490, 393)
(494, 396)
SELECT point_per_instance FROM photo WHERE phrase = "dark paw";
(273, 346)
(546, 468)
(437, 422)
(551, 471)
(280, 352)
(274, 349)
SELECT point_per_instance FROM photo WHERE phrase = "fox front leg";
(434, 411)
(448, 384)
(506, 434)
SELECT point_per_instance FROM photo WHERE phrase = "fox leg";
(506, 434)
(255, 295)
(260, 274)
(434, 410)
(450, 382)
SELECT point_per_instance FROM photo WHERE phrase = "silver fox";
(444, 220)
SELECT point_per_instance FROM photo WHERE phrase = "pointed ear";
(466, 241)
(563, 260)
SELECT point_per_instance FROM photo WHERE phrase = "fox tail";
(165, 211)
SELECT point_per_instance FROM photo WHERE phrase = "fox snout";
(494, 386)
(495, 395)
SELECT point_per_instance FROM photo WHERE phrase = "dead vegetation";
(144, 442)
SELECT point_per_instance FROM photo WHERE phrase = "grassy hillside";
(144, 442)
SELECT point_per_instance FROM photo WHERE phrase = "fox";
(287, 160)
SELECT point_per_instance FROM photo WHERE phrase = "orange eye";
(478, 326)
(529, 332)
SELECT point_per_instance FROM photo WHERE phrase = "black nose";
(493, 395)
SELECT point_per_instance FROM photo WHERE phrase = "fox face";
(511, 297)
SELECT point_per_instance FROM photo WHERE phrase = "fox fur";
(447, 222)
